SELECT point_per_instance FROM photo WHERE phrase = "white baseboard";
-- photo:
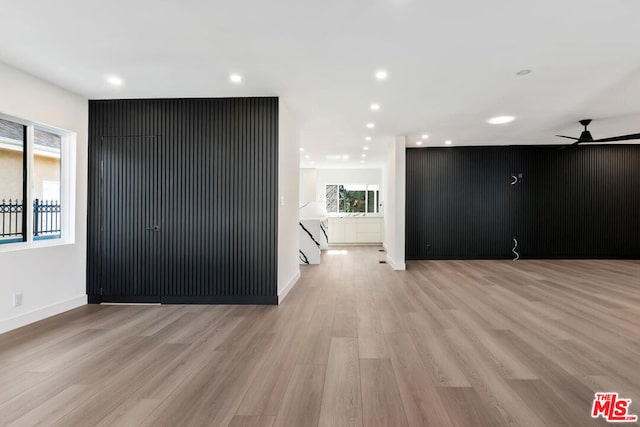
(396, 265)
(285, 291)
(41, 313)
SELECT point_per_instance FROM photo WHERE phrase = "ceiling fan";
(585, 136)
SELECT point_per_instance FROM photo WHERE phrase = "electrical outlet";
(17, 299)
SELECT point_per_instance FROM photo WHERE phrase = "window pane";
(332, 198)
(372, 198)
(47, 152)
(12, 142)
(352, 198)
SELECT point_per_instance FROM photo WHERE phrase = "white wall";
(288, 189)
(51, 279)
(393, 194)
(388, 196)
(308, 182)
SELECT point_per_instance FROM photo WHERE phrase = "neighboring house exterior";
(46, 169)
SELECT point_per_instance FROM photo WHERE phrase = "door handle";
(154, 228)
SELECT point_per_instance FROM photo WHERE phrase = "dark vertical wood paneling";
(215, 169)
(582, 202)
(457, 203)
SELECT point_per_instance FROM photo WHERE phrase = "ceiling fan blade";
(620, 138)
(564, 147)
(569, 137)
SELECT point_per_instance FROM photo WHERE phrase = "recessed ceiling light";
(361, 166)
(307, 156)
(313, 162)
(448, 142)
(301, 149)
(365, 148)
(114, 80)
(425, 136)
(371, 125)
(364, 155)
(381, 75)
(523, 72)
(500, 120)
(375, 107)
(418, 142)
(235, 78)
(368, 138)
(345, 157)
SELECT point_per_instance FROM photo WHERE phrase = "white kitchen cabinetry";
(345, 230)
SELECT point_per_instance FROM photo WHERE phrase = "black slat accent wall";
(457, 205)
(582, 202)
(578, 203)
(205, 172)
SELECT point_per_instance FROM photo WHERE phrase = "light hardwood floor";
(468, 343)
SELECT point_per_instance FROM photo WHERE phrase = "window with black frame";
(30, 181)
(13, 166)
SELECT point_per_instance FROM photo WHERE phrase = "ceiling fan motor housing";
(586, 136)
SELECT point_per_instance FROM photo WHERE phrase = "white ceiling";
(452, 64)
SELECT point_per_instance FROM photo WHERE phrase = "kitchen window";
(352, 198)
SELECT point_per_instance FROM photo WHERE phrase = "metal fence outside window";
(46, 219)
